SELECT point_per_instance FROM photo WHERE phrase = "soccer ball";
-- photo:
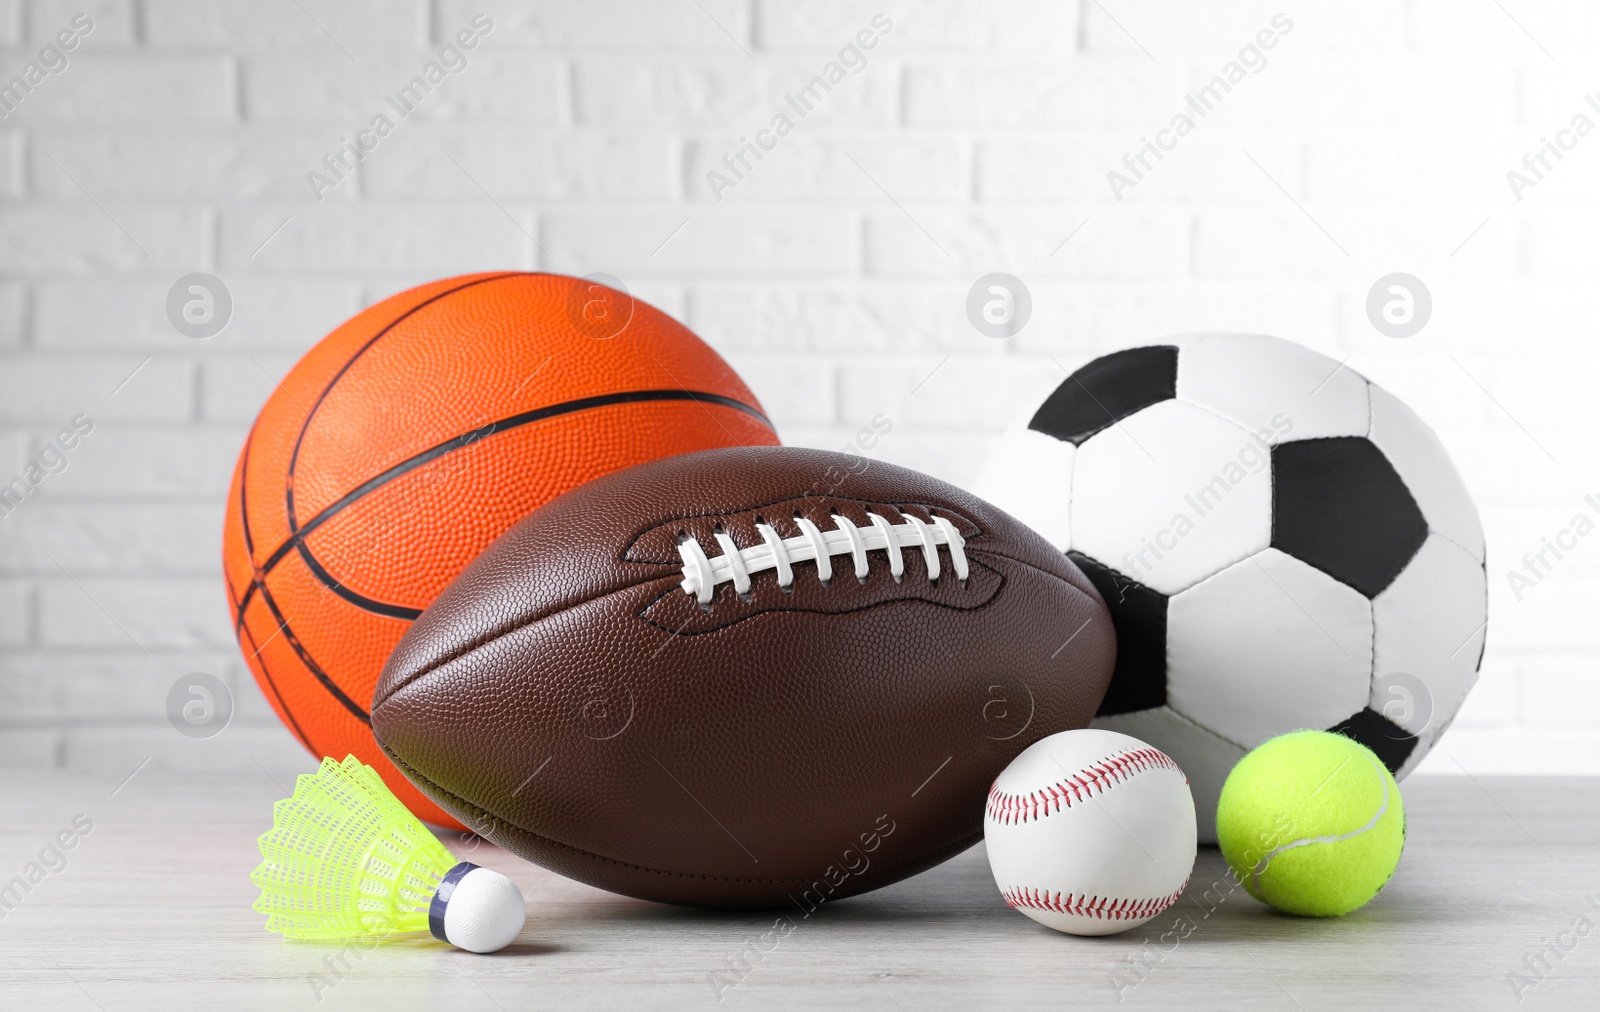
(1282, 544)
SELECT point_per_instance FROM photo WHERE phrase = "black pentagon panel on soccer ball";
(1339, 505)
(1390, 742)
(1139, 681)
(1107, 390)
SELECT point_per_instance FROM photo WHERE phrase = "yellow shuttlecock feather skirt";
(344, 858)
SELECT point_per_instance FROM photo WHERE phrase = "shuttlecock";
(345, 859)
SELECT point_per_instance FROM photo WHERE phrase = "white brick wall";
(976, 139)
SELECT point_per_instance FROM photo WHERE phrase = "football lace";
(702, 574)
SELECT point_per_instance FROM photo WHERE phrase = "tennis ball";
(1311, 823)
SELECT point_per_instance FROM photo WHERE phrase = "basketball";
(415, 434)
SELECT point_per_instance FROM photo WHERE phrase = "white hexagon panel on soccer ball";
(1424, 465)
(1269, 645)
(1170, 495)
(1429, 625)
(1029, 475)
(1272, 387)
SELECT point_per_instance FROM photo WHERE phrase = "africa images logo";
(1252, 59)
(852, 59)
(50, 460)
(1253, 457)
(452, 59)
(52, 859)
(1537, 165)
(52, 60)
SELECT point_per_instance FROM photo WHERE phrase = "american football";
(744, 677)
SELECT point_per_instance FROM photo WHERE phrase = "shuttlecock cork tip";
(476, 909)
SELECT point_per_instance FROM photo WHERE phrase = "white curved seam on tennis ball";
(1261, 866)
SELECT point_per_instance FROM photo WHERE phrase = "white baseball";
(1091, 832)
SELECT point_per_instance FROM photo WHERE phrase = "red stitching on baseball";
(1008, 809)
(1100, 908)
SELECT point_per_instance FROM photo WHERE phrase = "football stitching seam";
(481, 644)
(1014, 809)
(927, 507)
(675, 589)
(955, 848)
(1100, 908)
(777, 553)
(1089, 595)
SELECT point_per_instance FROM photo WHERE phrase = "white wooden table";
(153, 911)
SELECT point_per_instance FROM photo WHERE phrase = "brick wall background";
(977, 138)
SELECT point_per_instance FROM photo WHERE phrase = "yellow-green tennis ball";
(1311, 823)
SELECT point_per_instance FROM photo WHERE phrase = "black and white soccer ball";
(1282, 544)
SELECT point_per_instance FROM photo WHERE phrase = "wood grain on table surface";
(153, 910)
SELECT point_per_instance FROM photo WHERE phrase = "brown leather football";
(744, 677)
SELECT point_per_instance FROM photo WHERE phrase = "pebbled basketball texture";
(567, 697)
(412, 436)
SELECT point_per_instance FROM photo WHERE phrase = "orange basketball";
(411, 437)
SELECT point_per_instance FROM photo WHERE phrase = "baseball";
(1091, 832)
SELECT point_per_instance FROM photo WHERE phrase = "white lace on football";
(702, 574)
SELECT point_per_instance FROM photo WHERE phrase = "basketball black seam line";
(296, 541)
(241, 630)
(510, 422)
(306, 423)
(284, 625)
(294, 723)
(954, 847)
(310, 662)
(295, 532)
(513, 422)
(245, 633)
(367, 604)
